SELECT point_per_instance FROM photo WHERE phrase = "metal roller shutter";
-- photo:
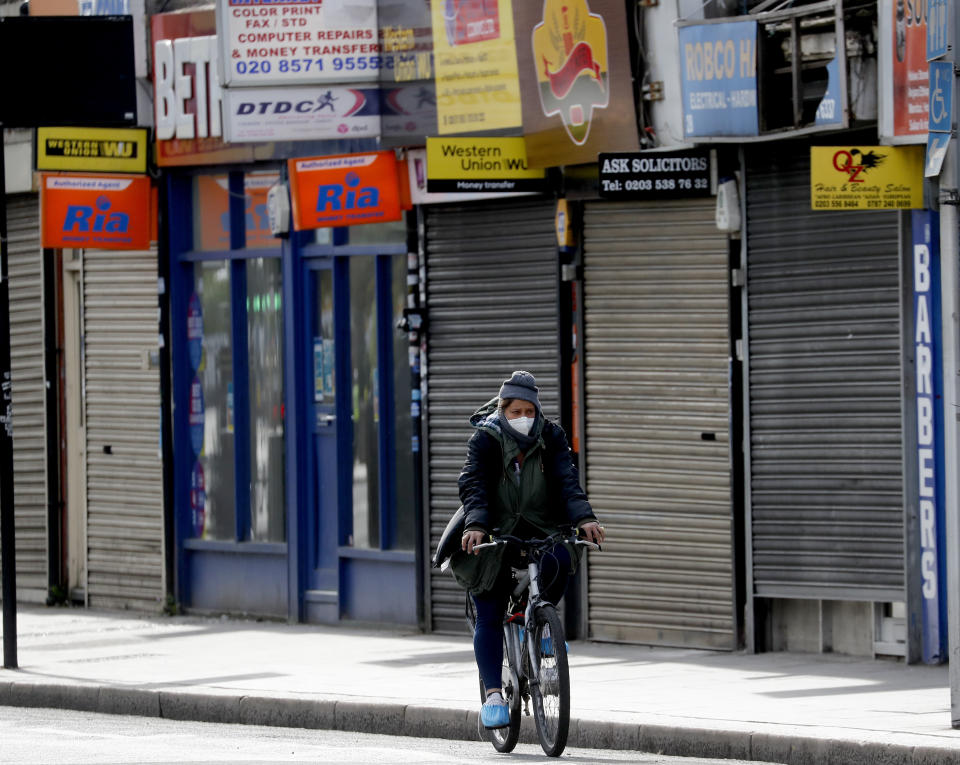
(656, 286)
(25, 260)
(826, 485)
(491, 277)
(122, 393)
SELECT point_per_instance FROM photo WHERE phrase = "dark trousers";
(490, 607)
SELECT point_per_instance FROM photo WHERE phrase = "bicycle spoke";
(551, 696)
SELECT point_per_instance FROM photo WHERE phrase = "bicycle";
(534, 653)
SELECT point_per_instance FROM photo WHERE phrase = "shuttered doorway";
(25, 261)
(656, 322)
(826, 484)
(122, 400)
(491, 280)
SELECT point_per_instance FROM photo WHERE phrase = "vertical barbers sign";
(298, 42)
(930, 455)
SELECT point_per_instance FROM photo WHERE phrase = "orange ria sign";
(213, 195)
(344, 190)
(101, 212)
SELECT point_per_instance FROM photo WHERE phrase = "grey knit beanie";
(521, 385)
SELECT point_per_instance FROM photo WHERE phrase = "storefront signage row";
(718, 68)
(475, 62)
(175, 86)
(576, 85)
(470, 165)
(271, 42)
(654, 175)
(300, 113)
(866, 177)
(909, 84)
(187, 96)
(104, 212)
(100, 150)
(345, 190)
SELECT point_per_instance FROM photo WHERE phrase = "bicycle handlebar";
(496, 541)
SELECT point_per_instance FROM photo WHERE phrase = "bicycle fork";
(533, 601)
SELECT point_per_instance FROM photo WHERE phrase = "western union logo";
(466, 165)
(103, 150)
(63, 147)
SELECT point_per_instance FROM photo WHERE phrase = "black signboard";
(67, 70)
(654, 175)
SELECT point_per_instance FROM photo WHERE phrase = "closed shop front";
(657, 412)
(824, 376)
(123, 466)
(27, 375)
(491, 285)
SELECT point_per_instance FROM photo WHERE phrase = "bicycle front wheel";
(504, 739)
(551, 692)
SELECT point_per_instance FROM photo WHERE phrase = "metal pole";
(949, 283)
(7, 533)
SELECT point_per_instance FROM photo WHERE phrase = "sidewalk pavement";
(775, 707)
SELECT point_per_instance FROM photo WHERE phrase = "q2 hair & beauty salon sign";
(345, 190)
(95, 212)
(866, 177)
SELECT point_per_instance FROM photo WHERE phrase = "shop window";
(211, 402)
(365, 404)
(211, 219)
(265, 386)
(382, 467)
(235, 346)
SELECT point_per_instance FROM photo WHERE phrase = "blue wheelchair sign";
(941, 101)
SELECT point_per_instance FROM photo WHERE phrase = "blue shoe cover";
(546, 646)
(495, 714)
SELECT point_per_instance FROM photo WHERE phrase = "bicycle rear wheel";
(551, 695)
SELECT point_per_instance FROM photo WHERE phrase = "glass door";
(324, 534)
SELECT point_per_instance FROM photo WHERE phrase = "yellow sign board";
(475, 66)
(468, 165)
(101, 150)
(866, 177)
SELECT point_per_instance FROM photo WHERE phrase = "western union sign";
(101, 150)
(469, 165)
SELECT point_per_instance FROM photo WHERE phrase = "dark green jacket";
(546, 492)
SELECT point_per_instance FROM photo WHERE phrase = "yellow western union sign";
(866, 177)
(102, 150)
(468, 165)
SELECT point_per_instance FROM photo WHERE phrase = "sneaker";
(495, 713)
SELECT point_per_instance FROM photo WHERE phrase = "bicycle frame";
(528, 581)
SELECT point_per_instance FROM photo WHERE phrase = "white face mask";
(522, 424)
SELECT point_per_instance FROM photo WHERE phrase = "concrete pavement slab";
(775, 707)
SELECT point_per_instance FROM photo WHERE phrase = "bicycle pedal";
(526, 706)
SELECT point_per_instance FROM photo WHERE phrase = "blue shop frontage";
(293, 462)
(290, 483)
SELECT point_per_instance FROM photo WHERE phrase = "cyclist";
(519, 478)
